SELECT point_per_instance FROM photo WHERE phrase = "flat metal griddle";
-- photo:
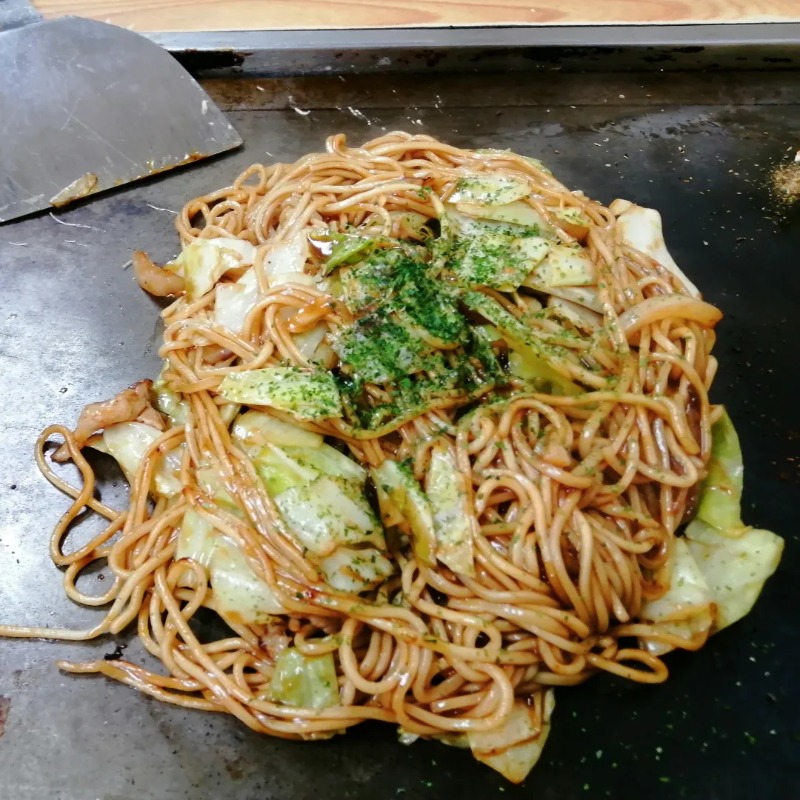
(701, 147)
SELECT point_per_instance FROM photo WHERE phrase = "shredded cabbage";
(127, 443)
(196, 539)
(169, 402)
(234, 301)
(499, 259)
(286, 261)
(489, 189)
(355, 569)
(203, 262)
(736, 567)
(319, 493)
(346, 248)
(514, 747)
(721, 493)
(400, 494)
(447, 491)
(735, 560)
(563, 265)
(238, 593)
(531, 355)
(685, 610)
(305, 394)
(326, 513)
(305, 681)
(253, 430)
(469, 217)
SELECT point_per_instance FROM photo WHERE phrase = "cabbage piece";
(169, 402)
(736, 560)
(467, 218)
(127, 442)
(427, 306)
(519, 367)
(641, 229)
(580, 316)
(520, 339)
(686, 608)
(366, 285)
(203, 262)
(563, 265)
(332, 285)
(580, 295)
(234, 301)
(286, 261)
(253, 430)
(514, 748)
(533, 249)
(379, 349)
(346, 248)
(238, 593)
(499, 259)
(736, 566)
(279, 471)
(447, 490)
(305, 681)
(573, 221)
(212, 484)
(400, 494)
(405, 737)
(228, 412)
(304, 394)
(302, 464)
(411, 225)
(325, 513)
(320, 495)
(721, 492)
(308, 341)
(330, 461)
(489, 189)
(355, 570)
(196, 539)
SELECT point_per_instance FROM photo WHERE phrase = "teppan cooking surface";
(74, 328)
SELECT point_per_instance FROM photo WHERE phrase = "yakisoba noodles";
(427, 432)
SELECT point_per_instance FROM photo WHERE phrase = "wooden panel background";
(221, 15)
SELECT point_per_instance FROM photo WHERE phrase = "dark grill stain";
(5, 706)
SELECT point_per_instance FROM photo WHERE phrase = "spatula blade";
(88, 107)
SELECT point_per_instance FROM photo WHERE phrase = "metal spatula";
(86, 107)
